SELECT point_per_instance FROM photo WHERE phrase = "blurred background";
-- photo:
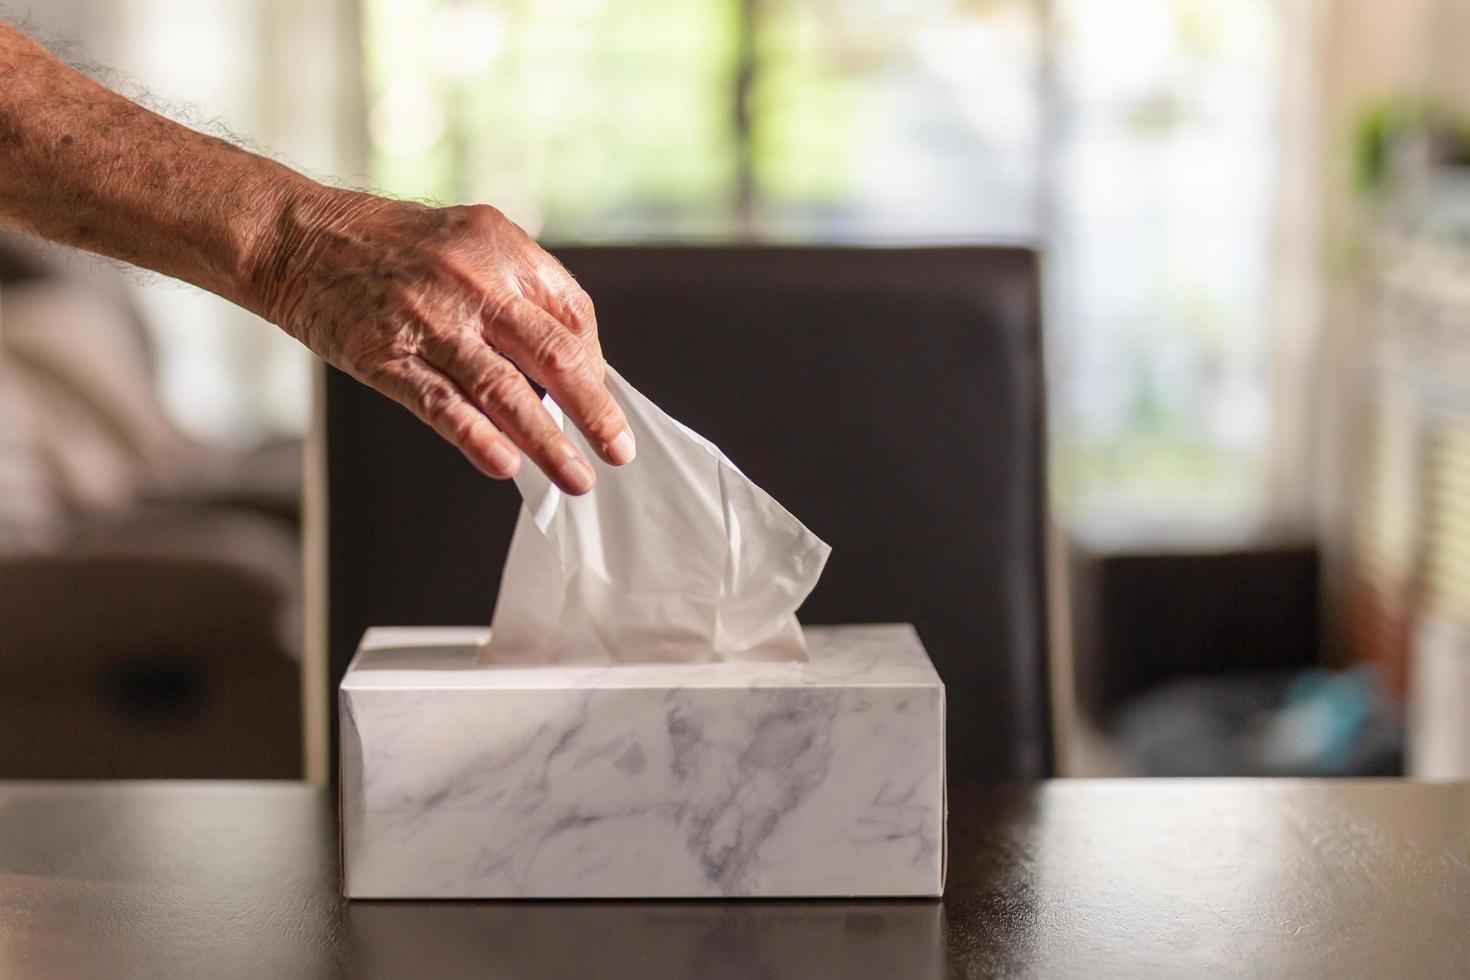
(1255, 223)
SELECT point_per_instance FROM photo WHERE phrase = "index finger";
(553, 356)
(558, 293)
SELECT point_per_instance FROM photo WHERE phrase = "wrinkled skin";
(437, 308)
(434, 307)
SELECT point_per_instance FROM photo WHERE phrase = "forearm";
(434, 307)
(83, 166)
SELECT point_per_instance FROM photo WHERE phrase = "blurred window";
(1163, 157)
(1135, 138)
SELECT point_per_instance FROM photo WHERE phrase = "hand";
(437, 308)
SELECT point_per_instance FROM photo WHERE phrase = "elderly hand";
(437, 308)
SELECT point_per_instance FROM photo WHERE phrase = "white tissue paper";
(675, 557)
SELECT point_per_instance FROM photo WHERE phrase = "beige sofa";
(149, 586)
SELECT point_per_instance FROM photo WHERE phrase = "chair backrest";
(891, 398)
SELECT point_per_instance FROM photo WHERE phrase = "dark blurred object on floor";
(1274, 723)
(1146, 615)
(1205, 661)
(149, 586)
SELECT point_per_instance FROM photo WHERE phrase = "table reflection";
(665, 940)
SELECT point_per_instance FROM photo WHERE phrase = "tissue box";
(722, 780)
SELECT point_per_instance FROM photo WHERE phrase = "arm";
(434, 307)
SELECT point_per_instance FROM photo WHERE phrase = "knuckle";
(512, 415)
(483, 217)
(580, 309)
(437, 403)
(499, 386)
(606, 419)
(497, 308)
(545, 445)
(561, 357)
(502, 319)
(462, 427)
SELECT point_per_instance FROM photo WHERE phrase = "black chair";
(891, 398)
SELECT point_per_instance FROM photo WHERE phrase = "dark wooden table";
(1108, 878)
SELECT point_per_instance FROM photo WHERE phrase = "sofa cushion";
(78, 358)
(31, 518)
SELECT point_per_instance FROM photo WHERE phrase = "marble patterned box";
(760, 780)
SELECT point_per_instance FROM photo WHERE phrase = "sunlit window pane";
(1160, 253)
(1135, 140)
(587, 119)
(915, 120)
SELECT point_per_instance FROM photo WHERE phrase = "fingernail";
(574, 475)
(622, 449)
(503, 459)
